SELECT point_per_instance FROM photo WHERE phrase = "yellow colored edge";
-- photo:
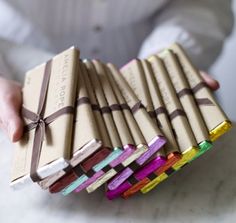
(154, 183)
(220, 130)
(186, 157)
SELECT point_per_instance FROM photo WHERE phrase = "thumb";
(14, 126)
(10, 118)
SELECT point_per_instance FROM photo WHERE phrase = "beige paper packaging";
(134, 75)
(186, 98)
(124, 131)
(149, 129)
(60, 74)
(185, 138)
(216, 120)
(85, 143)
(98, 117)
(119, 120)
(107, 117)
(160, 110)
(85, 120)
(136, 133)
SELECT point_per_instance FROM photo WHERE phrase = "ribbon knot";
(39, 122)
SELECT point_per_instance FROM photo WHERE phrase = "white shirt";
(111, 30)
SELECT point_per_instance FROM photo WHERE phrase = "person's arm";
(200, 26)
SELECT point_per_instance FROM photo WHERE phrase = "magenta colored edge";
(141, 174)
(154, 146)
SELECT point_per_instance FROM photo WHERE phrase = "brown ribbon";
(161, 110)
(119, 167)
(115, 107)
(199, 86)
(136, 107)
(183, 92)
(204, 101)
(132, 180)
(152, 114)
(82, 100)
(152, 176)
(39, 122)
(125, 106)
(176, 113)
(134, 166)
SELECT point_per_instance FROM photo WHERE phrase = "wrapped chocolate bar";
(84, 143)
(88, 177)
(119, 121)
(171, 149)
(216, 120)
(187, 100)
(144, 120)
(44, 150)
(121, 125)
(134, 74)
(185, 138)
(135, 131)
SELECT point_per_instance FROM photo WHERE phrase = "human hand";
(10, 106)
(212, 83)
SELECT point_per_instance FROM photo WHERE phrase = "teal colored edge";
(70, 188)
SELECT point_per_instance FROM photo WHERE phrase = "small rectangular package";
(150, 130)
(170, 149)
(48, 105)
(216, 120)
(185, 138)
(92, 175)
(125, 136)
(85, 143)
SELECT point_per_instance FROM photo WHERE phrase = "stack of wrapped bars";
(88, 124)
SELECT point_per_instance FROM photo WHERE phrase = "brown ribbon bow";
(39, 122)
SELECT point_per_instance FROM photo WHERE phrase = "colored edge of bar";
(187, 156)
(172, 158)
(219, 130)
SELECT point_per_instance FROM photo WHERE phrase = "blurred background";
(225, 71)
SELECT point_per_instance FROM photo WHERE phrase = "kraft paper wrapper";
(98, 117)
(56, 148)
(126, 159)
(149, 129)
(86, 142)
(132, 124)
(134, 74)
(110, 125)
(180, 83)
(116, 153)
(185, 137)
(86, 128)
(171, 145)
(118, 117)
(216, 120)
